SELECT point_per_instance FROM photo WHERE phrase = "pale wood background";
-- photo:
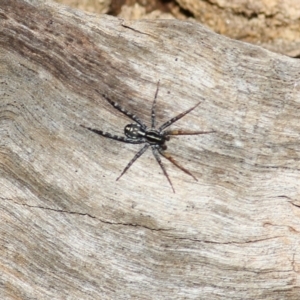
(68, 230)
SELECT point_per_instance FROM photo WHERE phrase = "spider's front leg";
(115, 137)
(123, 110)
(137, 155)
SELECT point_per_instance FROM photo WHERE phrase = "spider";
(138, 133)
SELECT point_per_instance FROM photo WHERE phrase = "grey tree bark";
(70, 231)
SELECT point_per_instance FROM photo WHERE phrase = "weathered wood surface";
(70, 231)
(273, 25)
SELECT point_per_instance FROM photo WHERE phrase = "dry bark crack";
(84, 214)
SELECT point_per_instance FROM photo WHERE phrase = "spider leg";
(140, 153)
(174, 162)
(115, 137)
(168, 123)
(123, 110)
(185, 132)
(153, 108)
(155, 153)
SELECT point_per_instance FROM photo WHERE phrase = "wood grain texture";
(70, 231)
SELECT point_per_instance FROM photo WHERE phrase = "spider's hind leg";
(185, 132)
(174, 162)
(156, 155)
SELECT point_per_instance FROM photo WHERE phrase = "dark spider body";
(155, 138)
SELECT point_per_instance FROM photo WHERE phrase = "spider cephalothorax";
(138, 133)
(153, 137)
